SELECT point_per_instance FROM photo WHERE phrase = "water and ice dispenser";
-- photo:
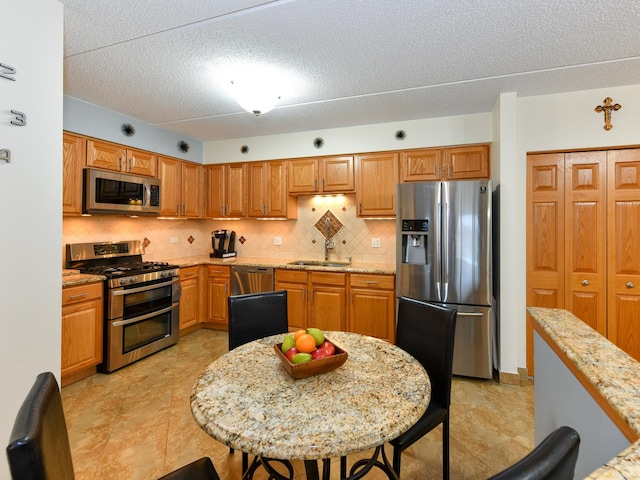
(415, 238)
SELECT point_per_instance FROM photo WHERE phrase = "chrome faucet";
(328, 242)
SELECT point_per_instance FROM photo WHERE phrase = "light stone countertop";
(355, 267)
(72, 279)
(611, 372)
(247, 400)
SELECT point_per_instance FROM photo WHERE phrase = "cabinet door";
(277, 200)
(623, 263)
(303, 175)
(219, 288)
(467, 162)
(377, 176)
(108, 156)
(337, 174)
(170, 175)
(296, 304)
(371, 312)
(190, 298)
(142, 163)
(421, 165)
(585, 238)
(215, 191)
(236, 190)
(192, 183)
(545, 236)
(327, 308)
(257, 173)
(74, 158)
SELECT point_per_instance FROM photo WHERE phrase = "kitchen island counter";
(608, 374)
(355, 267)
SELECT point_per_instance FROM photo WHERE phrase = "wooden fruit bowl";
(314, 367)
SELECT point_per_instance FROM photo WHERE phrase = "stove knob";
(164, 274)
(123, 281)
(172, 273)
(133, 279)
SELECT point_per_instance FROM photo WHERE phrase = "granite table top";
(613, 374)
(247, 400)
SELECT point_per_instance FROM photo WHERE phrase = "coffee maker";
(223, 242)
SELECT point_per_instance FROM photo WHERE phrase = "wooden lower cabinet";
(372, 303)
(82, 331)
(189, 299)
(295, 283)
(327, 301)
(218, 296)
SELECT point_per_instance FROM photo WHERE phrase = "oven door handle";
(120, 323)
(146, 288)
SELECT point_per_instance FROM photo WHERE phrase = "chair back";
(39, 444)
(554, 459)
(256, 315)
(427, 332)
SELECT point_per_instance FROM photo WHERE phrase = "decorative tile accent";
(344, 242)
(146, 242)
(242, 240)
(344, 209)
(313, 209)
(334, 224)
(313, 241)
(191, 239)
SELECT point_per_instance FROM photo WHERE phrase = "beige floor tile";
(136, 423)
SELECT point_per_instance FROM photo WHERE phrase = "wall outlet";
(277, 240)
(375, 242)
(174, 239)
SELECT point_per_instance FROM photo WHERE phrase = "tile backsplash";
(299, 238)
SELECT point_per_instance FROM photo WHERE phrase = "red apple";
(291, 352)
(319, 353)
(328, 347)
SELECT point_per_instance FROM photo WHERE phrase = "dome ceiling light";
(255, 96)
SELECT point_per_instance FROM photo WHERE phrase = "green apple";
(301, 358)
(287, 343)
(317, 334)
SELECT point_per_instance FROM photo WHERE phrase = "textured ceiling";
(170, 62)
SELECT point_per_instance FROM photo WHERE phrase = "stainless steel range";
(141, 299)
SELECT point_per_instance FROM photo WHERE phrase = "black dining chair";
(427, 332)
(39, 444)
(553, 459)
(253, 316)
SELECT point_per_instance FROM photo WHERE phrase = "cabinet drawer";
(81, 293)
(187, 273)
(385, 282)
(325, 278)
(293, 276)
(218, 271)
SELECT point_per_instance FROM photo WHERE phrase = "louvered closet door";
(586, 237)
(623, 218)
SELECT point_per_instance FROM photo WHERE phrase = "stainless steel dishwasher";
(245, 279)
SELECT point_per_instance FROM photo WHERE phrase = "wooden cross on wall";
(607, 108)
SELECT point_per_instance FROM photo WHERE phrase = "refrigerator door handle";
(437, 254)
(445, 241)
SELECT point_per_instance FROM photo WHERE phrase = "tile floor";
(136, 423)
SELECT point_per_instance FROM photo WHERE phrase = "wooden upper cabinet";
(74, 158)
(455, 163)
(268, 195)
(181, 185)
(321, 175)
(215, 188)
(376, 179)
(421, 165)
(111, 156)
(623, 254)
(236, 192)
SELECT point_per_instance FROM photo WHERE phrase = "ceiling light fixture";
(254, 96)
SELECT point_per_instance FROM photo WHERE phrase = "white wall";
(31, 202)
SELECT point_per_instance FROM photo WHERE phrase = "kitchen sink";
(319, 263)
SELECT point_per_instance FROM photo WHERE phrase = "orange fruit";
(306, 343)
(297, 334)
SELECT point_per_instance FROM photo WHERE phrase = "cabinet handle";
(132, 163)
(448, 170)
(225, 288)
(630, 285)
(315, 184)
(371, 282)
(122, 163)
(227, 209)
(351, 297)
(178, 209)
(184, 209)
(304, 294)
(220, 210)
(360, 208)
(80, 295)
(585, 282)
(439, 170)
(323, 184)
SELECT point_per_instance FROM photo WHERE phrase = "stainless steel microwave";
(123, 193)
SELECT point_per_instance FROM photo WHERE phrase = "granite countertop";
(71, 278)
(247, 400)
(611, 372)
(355, 267)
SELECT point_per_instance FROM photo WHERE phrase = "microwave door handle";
(147, 195)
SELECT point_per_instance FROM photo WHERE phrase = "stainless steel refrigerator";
(444, 256)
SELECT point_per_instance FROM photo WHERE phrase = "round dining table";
(249, 402)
